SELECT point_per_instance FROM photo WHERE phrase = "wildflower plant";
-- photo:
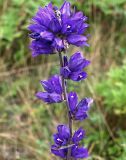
(53, 29)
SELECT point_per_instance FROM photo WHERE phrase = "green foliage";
(108, 7)
(111, 6)
(16, 14)
(113, 89)
(8, 30)
(99, 139)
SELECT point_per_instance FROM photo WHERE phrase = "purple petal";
(56, 84)
(76, 56)
(64, 131)
(82, 28)
(77, 16)
(40, 47)
(43, 96)
(85, 63)
(50, 10)
(36, 28)
(55, 98)
(54, 25)
(58, 152)
(43, 17)
(78, 76)
(77, 62)
(46, 14)
(53, 85)
(65, 8)
(65, 72)
(79, 152)
(47, 86)
(85, 104)
(77, 40)
(50, 6)
(47, 35)
(81, 115)
(72, 100)
(49, 97)
(59, 140)
(67, 27)
(78, 135)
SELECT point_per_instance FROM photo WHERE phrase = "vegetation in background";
(25, 124)
(112, 88)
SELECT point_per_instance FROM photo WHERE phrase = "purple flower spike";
(73, 69)
(53, 29)
(79, 111)
(53, 90)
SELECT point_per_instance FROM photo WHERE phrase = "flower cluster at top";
(53, 29)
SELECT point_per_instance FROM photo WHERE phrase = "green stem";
(65, 97)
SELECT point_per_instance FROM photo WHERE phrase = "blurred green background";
(27, 124)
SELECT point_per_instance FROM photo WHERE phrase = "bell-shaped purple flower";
(64, 131)
(53, 90)
(76, 151)
(79, 111)
(62, 137)
(53, 29)
(61, 146)
(60, 152)
(73, 69)
(79, 152)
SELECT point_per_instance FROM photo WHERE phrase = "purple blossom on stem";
(53, 90)
(73, 69)
(79, 111)
(53, 29)
(61, 146)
